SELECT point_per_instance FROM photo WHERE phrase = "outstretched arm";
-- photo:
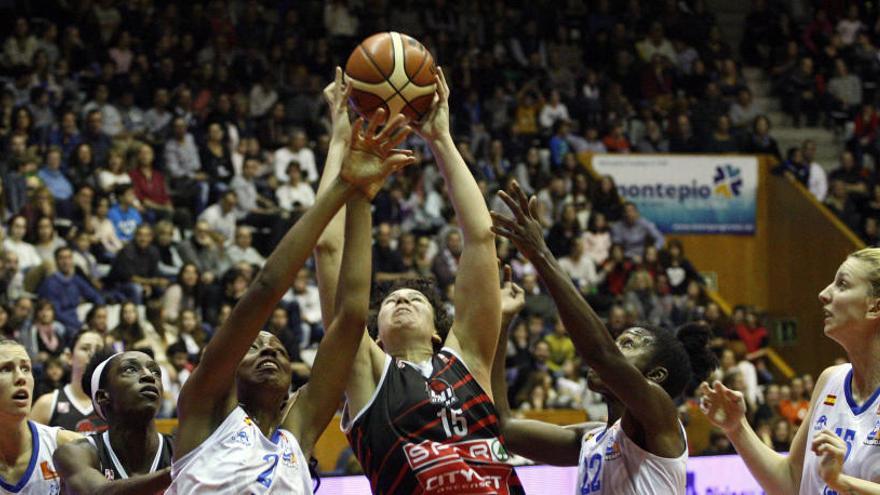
(77, 463)
(209, 386)
(542, 442)
(646, 401)
(316, 403)
(328, 251)
(477, 303)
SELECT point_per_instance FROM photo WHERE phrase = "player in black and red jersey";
(419, 412)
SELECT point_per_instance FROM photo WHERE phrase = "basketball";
(392, 71)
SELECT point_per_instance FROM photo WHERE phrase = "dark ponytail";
(684, 353)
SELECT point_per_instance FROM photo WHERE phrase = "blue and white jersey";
(41, 478)
(238, 459)
(612, 464)
(857, 424)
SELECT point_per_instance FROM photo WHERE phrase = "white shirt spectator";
(338, 20)
(236, 254)
(848, 29)
(818, 182)
(223, 223)
(28, 256)
(550, 114)
(288, 194)
(110, 117)
(182, 158)
(582, 270)
(305, 157)
(309, 303)
(261, 100)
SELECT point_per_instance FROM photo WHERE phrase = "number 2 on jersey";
(594, 468)
(265, 478)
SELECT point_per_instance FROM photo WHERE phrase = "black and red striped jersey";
(434, 435)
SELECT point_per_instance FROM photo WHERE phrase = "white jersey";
(40, 477)
(857, 424)
(238, 459)
(612, 464)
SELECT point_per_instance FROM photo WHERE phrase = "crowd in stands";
(824, 63)
(154, 152)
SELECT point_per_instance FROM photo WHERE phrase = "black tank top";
(113, 469)
(435, 435)
(70, 415)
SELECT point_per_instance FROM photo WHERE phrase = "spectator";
(640, 294)
(66, 289)
(45, 338)
(170, 260)
(185, 293)
(553, 112)
(759, 141)
(634, 232)
(655, 44)
(104, 229)
(205, 250)
(295, 195)
(744, 110)
(297, 150)
(135, 270)
(445, 264)
(124, 216)
(113, 175)
(818, 180)
(27, 255)
(560, 347)
(842, 205)
(20, 48)
(864, 138)
(54, 178)
(222, 216)
(241, 249)
(849, 26)
(95, 136)
(844, 93)
(184, 167)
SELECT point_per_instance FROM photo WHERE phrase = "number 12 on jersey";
(591, 482)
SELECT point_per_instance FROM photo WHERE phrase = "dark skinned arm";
(541, 442)
(649, 409)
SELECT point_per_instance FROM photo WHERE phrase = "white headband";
(96, 381)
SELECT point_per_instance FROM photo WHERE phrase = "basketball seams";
(398, 91)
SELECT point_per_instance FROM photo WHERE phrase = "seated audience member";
(66, 289)
(135, 271)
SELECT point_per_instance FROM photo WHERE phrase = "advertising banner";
(711, 475)
(685, 194)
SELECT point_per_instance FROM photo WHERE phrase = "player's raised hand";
(524, 228)
(436, 123)
(723, 407)
(336, 94)
(374, 156)
(513, 297)
(831, 450)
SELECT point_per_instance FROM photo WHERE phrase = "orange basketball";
(391, 71)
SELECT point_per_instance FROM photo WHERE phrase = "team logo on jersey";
(440, 392)
(63, 407)
(288, 459)
(242, 437)
(874, 435)
(499, 452)
(821, 423)
(612, 451)
(47, 471)
(830, 400)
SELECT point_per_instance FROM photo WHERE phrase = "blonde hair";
(871, 256)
